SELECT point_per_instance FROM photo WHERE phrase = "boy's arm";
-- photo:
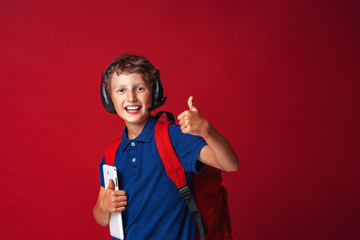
(218, 153)
(109, 201)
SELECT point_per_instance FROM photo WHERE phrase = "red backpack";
(210, 212)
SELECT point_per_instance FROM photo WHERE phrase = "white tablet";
(115, 224)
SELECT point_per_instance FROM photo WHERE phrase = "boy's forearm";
(224, 154)
(101, 217)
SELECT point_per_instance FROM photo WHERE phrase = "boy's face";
(131, 96)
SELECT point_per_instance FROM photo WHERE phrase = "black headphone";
(158, 98)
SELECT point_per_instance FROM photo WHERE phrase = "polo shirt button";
(133, 144)
(133, 160)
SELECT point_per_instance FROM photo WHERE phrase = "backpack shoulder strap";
(173, 167)
(176, 172)
(110, 152)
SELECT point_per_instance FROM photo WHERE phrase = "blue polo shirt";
(155, 207)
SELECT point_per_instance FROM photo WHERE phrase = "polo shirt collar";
(145, 135)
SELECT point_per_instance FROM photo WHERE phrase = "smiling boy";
(131, 96)
(151, 205)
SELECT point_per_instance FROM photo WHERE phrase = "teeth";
(132, 108)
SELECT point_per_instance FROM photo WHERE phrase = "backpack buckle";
(185, 192)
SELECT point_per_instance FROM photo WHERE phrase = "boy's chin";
(135, 119)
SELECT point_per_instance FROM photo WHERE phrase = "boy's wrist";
(102, 207)
(208, 128)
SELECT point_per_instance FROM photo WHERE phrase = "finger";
(184, 120)
(121, 199)
(118, 209)
(119, 204)
(111, 185)
(185, 124)
(119, 193)
(183, 114)
(185, 128)
(116, 205)
(190, 102)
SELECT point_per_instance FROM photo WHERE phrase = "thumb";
(111, 185)
(191, 104)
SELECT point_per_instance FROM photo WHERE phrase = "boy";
(151, 205)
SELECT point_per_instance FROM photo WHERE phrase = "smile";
(132, 109)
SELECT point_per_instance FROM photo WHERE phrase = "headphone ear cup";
(106, 100)
(158, 93)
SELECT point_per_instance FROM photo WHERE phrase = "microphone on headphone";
(163, 100)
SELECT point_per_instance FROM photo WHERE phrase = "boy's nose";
(132, 97)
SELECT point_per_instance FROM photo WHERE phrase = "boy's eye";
(121, 90)
(140, 89)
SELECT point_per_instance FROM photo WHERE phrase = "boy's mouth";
(132, 109)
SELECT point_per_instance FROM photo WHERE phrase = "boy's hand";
(192, 122)
(113, 200)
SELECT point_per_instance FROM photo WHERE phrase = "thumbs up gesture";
(192, 122)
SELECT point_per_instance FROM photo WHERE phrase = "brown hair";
(129, 63)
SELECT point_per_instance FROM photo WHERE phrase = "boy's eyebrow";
(120, 85)
(135, 84)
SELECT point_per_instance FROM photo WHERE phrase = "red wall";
(280, 79)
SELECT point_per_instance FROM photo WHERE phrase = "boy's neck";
(134, 129)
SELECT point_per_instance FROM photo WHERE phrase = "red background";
(280, 79)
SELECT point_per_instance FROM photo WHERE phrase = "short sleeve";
(187, 148)
(101, 174)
